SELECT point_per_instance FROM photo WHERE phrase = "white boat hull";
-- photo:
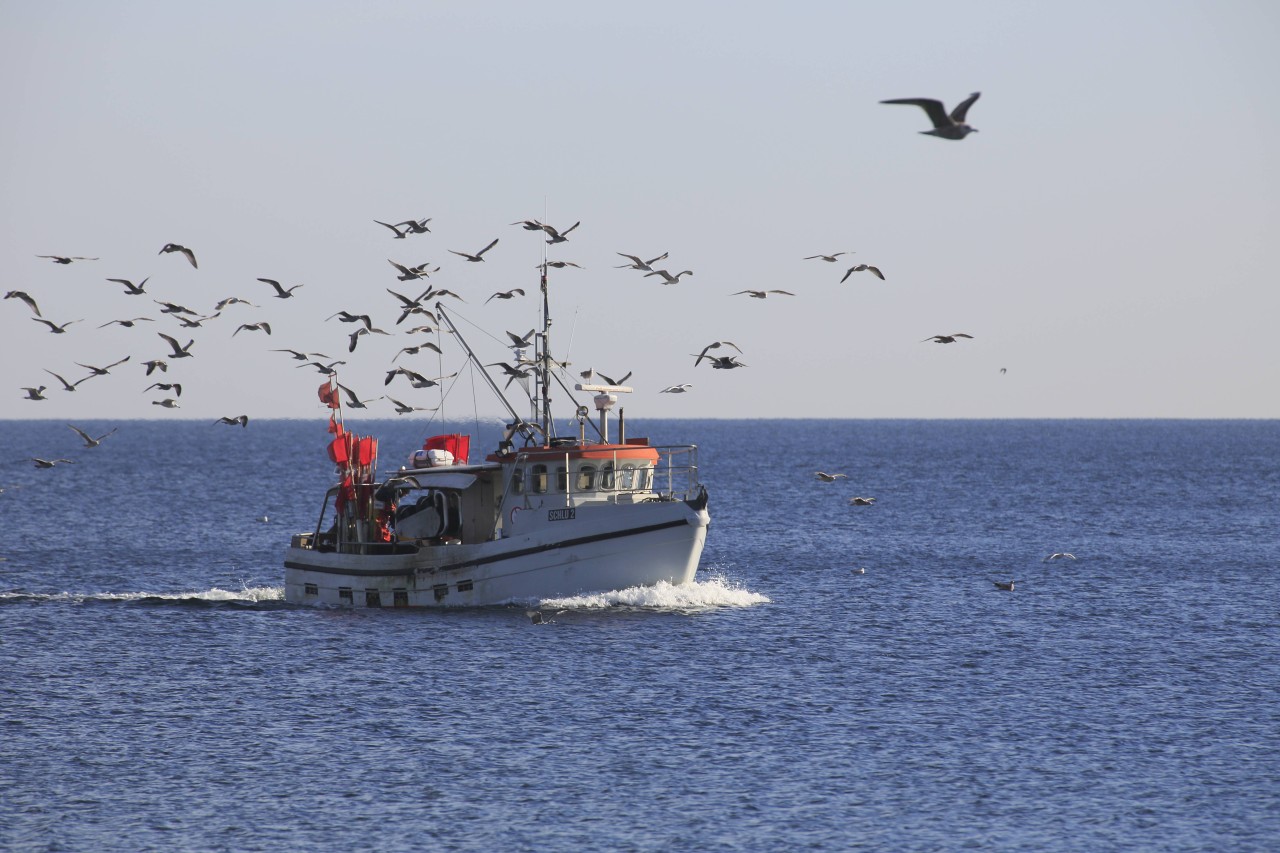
(593, 551)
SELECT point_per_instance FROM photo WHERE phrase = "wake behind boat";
(542, 516)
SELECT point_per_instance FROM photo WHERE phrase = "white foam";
(254, 594)
(699, 595)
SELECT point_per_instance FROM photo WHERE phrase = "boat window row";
(541, 479)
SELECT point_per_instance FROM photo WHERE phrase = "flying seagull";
(64, 259)
(173, 308)
(167, 402)
(668, 278)
(951, 126)
(102, 371)
(829, 478)
(25, 297)
(638, 264)
(178, 351)
(174, 247)
(831, 259)
(611, 381)
(233, 300)
(281, 293)
(399, 235)
(518, 342)
(715, 345)
(557, 265)
(947, 339)
(128, 324)
(478, 256)
(861, 501)
(38, 393)
(66, 386)
(49, 463)
(89, 441)
(559, 236)
(1057, 556)
(175, 387)
(54, 327)
(507, 294)
(676, 389)
(875, 271)
(404, 408)
(416, 349)
(156, 364)
(762, 294)
(130, 288)
(242, 420)
(264, 326)
(412, 273)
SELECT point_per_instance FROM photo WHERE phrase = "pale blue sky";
(1107, 236)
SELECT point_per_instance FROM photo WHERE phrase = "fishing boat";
(542, 516)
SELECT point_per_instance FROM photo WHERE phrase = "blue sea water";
(157, 694)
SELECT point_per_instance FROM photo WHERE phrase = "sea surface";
(156, 693)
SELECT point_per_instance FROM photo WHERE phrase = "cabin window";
(311, 589)
(372, 598)
(400, 597)
(562, 479)
(344, 594)
(517, 481)
(643, 477)
(539, 478)
(586, 478)
(628, 476)
(606, 476)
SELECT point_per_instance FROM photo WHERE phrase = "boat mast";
(544, 379)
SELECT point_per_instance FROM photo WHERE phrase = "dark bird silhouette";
(725, 362)
(326, 369)
(714, 345)
(947, 339)
(417, 380)
(945, 126)
(174, 247)
(281, 293)
(412, 273)
(89, 441)
(559, 265)
(346, 317)
(513, 372)
(399, 235)
(178, 351)
(253, 327)
(49, 463)
(831, 259)
(38, 393)
(667, 277)
(156, 364)
(415, 226)
(1007, 586)
(353, 401)
(65, 259)
(506, 294)
(355, 336)
(302, 356)
(609, 380)
(66, 386)
(638, 264)
(175, 387)
(130, 288)
(25, 297)
(405, 408)
(233, 300)
(529, 224)
(128, 324)
(478, 256)
(416, 349)
(173, 308)
(558, 236)
(522, 341)
(761, 294)
(102, 371)
(242, 420)
(196, 322)
(167, 402)
(875, 271)
(54, 327)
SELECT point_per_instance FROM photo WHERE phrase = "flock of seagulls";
(181, 318)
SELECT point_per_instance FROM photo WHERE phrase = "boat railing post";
(568, 482)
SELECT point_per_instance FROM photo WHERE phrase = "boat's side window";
(539, 478)
(628, 476)
(606, 476)
(586, 478)
(645, 475)
(517, 481)
(562, 479)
